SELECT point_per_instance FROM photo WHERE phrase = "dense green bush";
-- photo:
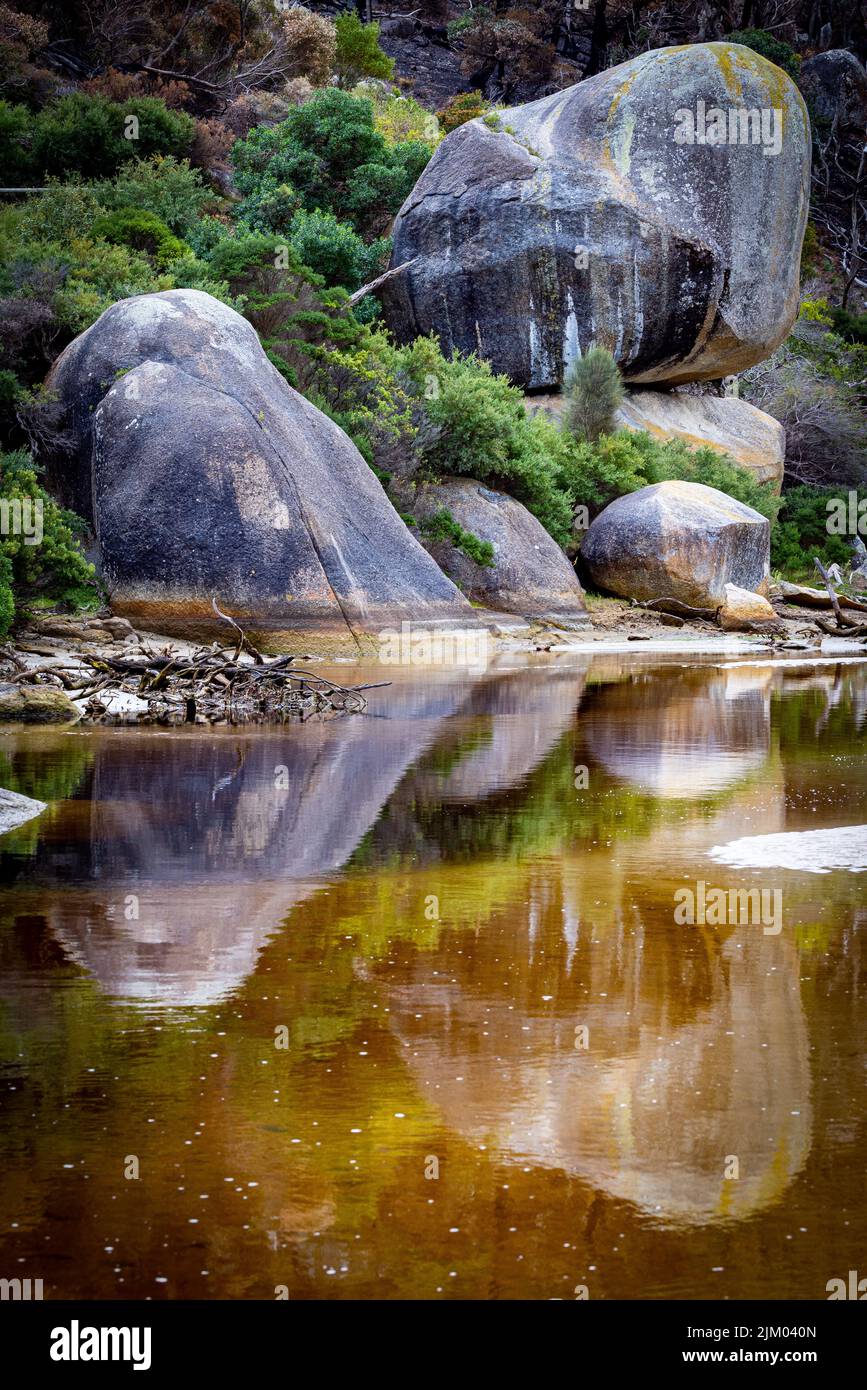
(143, 231)
(333, 250)
(164, 185)
(760, 41)
(851, 327)
(465, 106)
(329, 155)
(88, 135)
(7, 597)
(16, 151)
(53, 568)
(478, 427)
(801, 532)
(358, 51)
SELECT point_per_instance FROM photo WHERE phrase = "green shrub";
(63, 211)
(465, 106)
(593, 391)
(400, 119)
(476, 426)
(443, 527)
(851, 327)
(760, 41)
(86, 134)
(53, 568)
(358, 51)
(802, 532)
(328, 156)
(7, 598)
(333, 250)
(164, 185)
(141, 230)
(17, 165)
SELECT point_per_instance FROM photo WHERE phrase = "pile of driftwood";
(208, 684)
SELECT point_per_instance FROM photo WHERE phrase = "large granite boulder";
(678, 540)
(590, 216)
(530, 574)
(208, 479)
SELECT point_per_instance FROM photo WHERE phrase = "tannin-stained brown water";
(397, 1006)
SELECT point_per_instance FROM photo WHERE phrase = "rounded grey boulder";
(678, 540)
(530, 575)
(657, 209)
(209, 480)
(836, 83)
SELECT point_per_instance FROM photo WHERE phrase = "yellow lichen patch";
(615, 150)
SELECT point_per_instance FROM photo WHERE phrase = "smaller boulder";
(678, 540)
(835, 84)
(530, 576)
(35, 704)
(16, 809)
(741, 609)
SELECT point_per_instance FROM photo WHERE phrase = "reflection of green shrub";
(51, 771)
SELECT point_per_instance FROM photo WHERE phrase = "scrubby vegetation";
(260, 154)
(40, 552)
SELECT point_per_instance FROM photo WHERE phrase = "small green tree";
(358, 51)
(593, 391)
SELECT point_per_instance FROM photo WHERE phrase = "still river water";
(339, 1037)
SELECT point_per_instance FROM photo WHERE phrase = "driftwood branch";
(380, 280)
(835, 602)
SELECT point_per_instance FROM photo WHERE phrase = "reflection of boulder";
(218, 837)
(528, 715)
(697, 1052)
(197, 845)
(694, 737)
(15, 809)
